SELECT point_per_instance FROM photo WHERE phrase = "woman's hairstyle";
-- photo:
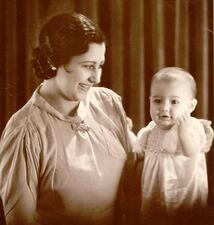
(175, 74)
(61, 38)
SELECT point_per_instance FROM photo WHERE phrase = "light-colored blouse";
(56, 169)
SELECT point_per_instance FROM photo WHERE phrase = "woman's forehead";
(95, 53)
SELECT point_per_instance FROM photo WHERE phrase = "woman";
(62, 155)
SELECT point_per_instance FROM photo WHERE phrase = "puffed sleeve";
(129, 134)
(209, 134)
(111, 105)
(19, 168)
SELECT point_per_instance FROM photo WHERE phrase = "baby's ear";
(192, 105)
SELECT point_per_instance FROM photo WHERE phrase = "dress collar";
(41, 103)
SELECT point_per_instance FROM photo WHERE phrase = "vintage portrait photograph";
(106, 112)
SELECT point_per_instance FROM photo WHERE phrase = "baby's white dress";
(171, 181)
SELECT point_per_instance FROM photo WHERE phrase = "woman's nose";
(95, 76)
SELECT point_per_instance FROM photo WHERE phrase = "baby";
(174, 176)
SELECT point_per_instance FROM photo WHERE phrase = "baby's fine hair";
(175, 74)
(62, 37)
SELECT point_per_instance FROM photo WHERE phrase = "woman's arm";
(18, 184)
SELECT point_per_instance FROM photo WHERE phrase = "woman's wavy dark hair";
(61, 38)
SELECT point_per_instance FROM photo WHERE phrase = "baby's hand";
(183, 122)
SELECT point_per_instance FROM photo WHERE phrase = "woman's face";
(83, 71)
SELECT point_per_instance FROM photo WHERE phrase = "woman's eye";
(93, 67)
(90, 67)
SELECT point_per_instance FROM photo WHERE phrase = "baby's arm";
(191, 134)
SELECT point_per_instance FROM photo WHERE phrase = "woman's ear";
(192, 105)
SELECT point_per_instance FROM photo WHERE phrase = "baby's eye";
(175, 102)
(101, 66)
(157, 101)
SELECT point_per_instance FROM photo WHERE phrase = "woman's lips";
(84, 87)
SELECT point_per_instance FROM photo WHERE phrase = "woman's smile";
(85, 87)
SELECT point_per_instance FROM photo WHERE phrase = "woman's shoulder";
(25, 119)
(104, 97)
(107, 102)
(20, 131)
(102, 92)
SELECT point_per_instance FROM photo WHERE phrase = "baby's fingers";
(183, 120)
(186, 117)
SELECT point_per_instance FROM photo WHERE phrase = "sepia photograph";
(106, 112)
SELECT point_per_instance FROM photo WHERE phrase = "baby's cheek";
(178, 113)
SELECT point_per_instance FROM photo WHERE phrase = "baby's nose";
(165, 106)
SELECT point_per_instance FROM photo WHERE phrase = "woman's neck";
(51, 93)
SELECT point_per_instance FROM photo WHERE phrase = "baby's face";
(168, 101)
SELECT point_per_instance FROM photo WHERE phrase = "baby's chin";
(166, 126)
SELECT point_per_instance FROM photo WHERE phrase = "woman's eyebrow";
(88, 61)
(91, 61)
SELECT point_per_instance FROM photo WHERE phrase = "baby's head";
(173, 92)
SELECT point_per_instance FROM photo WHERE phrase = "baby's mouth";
(165, 117)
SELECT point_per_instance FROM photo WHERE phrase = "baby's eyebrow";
(158, 96)
(175, 96)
